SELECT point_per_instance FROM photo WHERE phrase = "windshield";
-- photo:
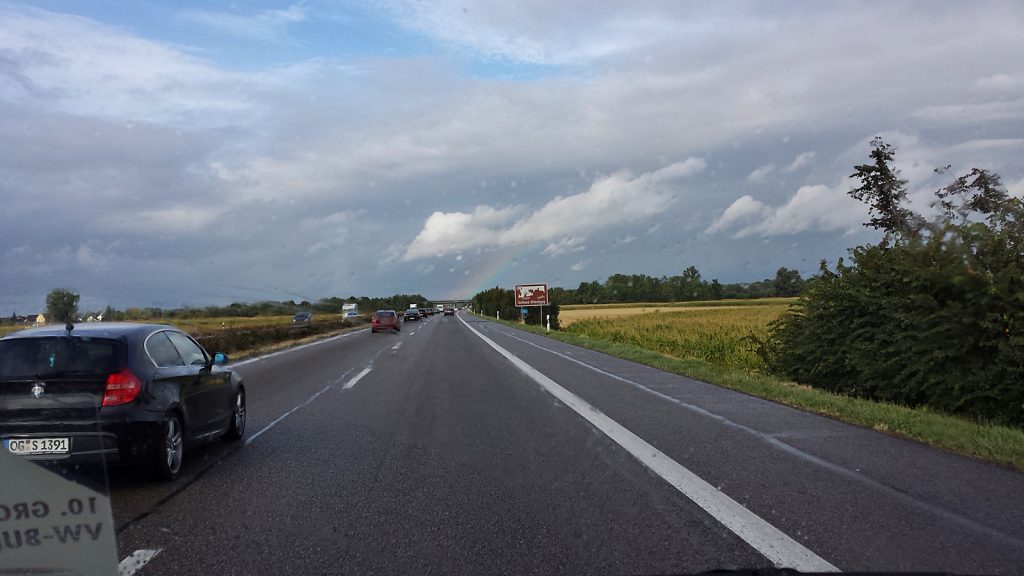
(523, 286)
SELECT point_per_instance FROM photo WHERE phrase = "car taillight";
(122, 387)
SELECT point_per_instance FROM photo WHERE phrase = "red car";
(385, 320)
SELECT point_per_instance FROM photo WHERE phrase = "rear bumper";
(105, 442)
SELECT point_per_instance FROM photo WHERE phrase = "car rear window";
(386, 314)
(59, 356)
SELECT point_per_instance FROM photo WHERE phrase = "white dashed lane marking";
(135, 561)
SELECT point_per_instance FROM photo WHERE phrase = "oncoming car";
(130, 393)
(385, 320)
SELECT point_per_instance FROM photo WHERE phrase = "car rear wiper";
(60, 374)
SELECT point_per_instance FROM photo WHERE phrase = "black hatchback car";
(115, 392)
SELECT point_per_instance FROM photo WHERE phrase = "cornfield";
(718, 335)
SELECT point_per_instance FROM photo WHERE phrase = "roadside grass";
(992, 443)
(8, 328)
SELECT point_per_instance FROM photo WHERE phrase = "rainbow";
(491, 268)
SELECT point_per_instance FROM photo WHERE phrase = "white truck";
(349, 310)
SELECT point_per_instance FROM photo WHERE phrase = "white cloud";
(564, 246)
(743, 210)
(817, 208)
(446, 233)
(1016, 189)
(761, 172)
(611, 200)
(536, 31)
(270, 25)
(1000, 82)
(79, 66)
(179, 220)
(970, 112)
(800, 161)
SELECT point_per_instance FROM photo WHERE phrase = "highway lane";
(863, 500)
(272, 385)
(444, 457)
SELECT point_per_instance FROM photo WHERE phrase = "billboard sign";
(531, 295)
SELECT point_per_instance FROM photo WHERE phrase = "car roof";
(92, 329)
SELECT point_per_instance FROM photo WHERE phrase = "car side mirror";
(220, 358)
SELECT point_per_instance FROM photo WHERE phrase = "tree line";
(687, 286)
(62, 305)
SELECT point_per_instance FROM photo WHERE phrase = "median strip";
(768, 540)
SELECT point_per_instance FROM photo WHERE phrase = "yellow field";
(568, 316)
(716, 334)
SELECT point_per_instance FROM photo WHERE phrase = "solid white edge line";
(135, 561)
(775, 545)
(356, 378)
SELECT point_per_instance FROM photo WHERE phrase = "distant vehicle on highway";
(350, 311)
(449, 312)
(385, 320)
(411, 314)
(424, 312)
(153, 390)
(302, 317)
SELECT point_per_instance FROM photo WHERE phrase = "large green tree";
(61, 305)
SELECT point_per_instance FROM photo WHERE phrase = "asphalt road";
(460, 446)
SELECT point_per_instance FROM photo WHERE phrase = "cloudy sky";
(167, 154)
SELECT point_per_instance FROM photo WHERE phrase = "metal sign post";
(531, 295)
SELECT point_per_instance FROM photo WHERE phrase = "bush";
(932, 316)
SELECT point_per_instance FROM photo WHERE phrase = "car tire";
(237, 427)
(168, 448)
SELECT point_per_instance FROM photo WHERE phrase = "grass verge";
(997, 444)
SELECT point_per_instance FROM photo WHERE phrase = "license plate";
(30, 446)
